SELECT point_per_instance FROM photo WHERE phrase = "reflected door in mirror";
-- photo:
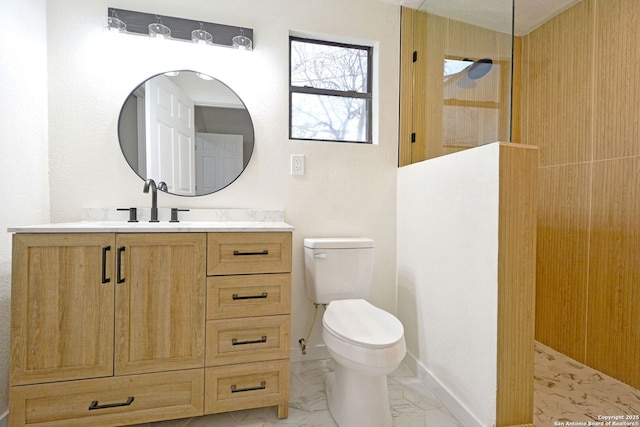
(219, 157)
(170, 136)
(159, 124)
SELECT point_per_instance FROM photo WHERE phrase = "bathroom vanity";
(117, 323)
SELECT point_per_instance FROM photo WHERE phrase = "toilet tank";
(338, 268)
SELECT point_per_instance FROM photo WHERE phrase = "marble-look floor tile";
(565, 390)
(440, 418)
(412, 404)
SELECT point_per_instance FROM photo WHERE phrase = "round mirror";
(186, 129)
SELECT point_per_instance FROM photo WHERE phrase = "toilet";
(366, 343)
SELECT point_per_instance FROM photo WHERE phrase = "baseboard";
(457, 409)
(4, 419)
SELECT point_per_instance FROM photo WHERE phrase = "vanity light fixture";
(179, 29)
(114, 24)
(158, 30)
(201, 36)
(242, 42)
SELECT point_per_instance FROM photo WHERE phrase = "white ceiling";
(494, 14)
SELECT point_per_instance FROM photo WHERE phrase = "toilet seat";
(362, 324)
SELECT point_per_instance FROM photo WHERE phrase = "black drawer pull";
(120, 279)
(237, 297)
(105, 279)
(234, 341)
(238, 253)
(262, 386)
(94, 404)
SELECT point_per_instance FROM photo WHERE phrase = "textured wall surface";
(68, 100)
(24, 194)
(448, 274)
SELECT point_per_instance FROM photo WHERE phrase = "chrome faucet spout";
(151, 184)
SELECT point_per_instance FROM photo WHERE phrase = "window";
(329, 91)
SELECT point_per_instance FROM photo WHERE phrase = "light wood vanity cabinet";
(109, 328)
(248, 321)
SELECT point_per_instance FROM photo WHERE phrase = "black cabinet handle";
(234, 341)
(95, 405)
(237, 297)
(238, 253)
(105, 279)
(262, 386)
(120, 279)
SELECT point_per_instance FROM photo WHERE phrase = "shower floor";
(568, 391)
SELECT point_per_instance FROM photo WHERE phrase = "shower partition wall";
(466, 280)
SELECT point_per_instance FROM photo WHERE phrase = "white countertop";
(158, 227)
(109, 220)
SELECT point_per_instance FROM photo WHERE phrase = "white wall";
(24, 193)
(348, 189)
(448, 277)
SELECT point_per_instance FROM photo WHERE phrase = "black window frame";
(367, 96)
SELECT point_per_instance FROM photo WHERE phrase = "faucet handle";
(133, 213)
(174, 214)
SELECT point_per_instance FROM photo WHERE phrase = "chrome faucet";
(150, 183)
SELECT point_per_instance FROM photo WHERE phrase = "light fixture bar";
(181, 29)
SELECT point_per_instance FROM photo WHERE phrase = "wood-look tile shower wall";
(581, 107)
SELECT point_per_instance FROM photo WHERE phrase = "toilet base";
(358, 400)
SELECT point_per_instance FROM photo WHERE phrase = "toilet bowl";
(367, 343)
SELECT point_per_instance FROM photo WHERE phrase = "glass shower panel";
(463, 74)
(471, 102)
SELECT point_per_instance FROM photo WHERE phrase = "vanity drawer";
(252, 385)
(248, 253)
(109, 401)
(248, 295)
(247, 339)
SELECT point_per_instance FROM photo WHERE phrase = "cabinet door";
(160, 302)
(62, 307)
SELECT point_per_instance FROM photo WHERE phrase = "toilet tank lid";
(338, 242)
